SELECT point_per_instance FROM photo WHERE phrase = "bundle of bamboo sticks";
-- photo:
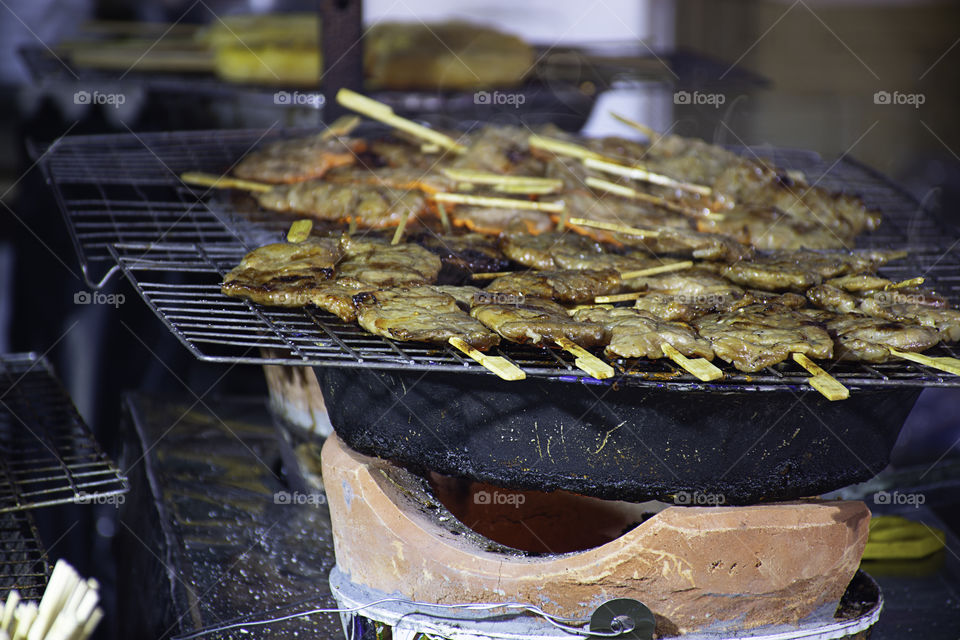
(67, 611)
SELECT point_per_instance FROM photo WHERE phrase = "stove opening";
(537, 521)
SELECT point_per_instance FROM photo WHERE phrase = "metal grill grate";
(178, 271)
(23, 562)
(47, 454)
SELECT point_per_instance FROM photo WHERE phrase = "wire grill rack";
(23, 561)
(48, 455)
(122, 198)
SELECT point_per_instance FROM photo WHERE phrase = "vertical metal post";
(341, 25)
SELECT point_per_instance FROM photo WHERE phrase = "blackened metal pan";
(694, 447)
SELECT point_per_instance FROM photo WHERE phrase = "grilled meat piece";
(378, 262)
(420, 314)
(693, 286)
(284, 274)
(492, 220)
(369, 265)
(759, 335)
(764, 227)
(864, 284)
(468, 252)
(373, 207)
(703, 246)
(289, 161)
(537, 320)
(539, 250)
(570, 286)
(863, 338)
(638, 334)
(567, 250)
(399, 178)
(685, 308)
(895, 305)
(500, 149)
(800, 270)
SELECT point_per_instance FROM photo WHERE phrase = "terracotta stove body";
(697, 568)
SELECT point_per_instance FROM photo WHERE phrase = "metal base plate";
(408, 619)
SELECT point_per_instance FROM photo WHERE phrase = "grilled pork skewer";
(901, 305)
(285, 274)
(289, 161)
(539, 321)
(329, 272)
(638, 334)
(761, 335)
(368, 206)
(868, 339)
(800, 270)
(423, 313)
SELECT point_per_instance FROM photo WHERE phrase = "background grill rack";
(48, 455)
(23, 561)
(126, 206)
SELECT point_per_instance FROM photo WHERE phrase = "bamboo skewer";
(398, 234)
(652, 135)
(652, 271)
(444, 218)
(826, 384)
(530, 188)
(625, 275)
(383, 113)
(300, 230)
(905, 284)
(640, 173)
(508, 203)
(586, 361)
(943, 363)
(627, 192)
(493, 179)
(700, 368)
(223, 182)
(496, 364)
(615, 227)
(342, 126)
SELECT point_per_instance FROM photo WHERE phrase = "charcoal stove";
(391, 402)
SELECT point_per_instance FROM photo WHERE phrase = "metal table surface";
(202, 538)
(202, 525)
